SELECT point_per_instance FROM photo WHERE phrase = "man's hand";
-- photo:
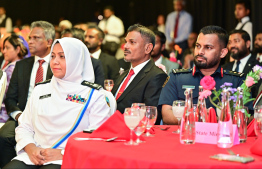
(34, 154)
(168, 116)
(50, 154)
(171, 46)
(17, 116)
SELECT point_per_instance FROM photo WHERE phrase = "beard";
(239, 54)
(257, 49)
(205, 64)
(155, 54)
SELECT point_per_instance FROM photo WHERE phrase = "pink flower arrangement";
(249, 81)
(161, 66)
(172, 57)
(204, 94)
(208, 83)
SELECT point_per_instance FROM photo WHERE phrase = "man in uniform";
(211, 47)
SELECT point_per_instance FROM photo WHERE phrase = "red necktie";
(176, 26)
(131, 73)
(6, 63)
(39, 73)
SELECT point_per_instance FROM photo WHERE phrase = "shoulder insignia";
(175, 71)
(44, 82)
(234, 73)
(92, 85)
(167, 79)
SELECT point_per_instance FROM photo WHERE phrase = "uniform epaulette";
(182, 70)
(44, 82)
(233, 73)
(92, 85)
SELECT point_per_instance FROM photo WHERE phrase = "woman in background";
(14, 50)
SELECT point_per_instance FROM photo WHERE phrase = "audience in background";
(97, 64)
(242, 12)
(113, 29)
(159, 59)
(178, 26)
(65, 24)
(258, 46)
(93, 39)
(26, 74)
(14, 50)
(161, 23)
(188, 58)
(5, 22)
(143, 82)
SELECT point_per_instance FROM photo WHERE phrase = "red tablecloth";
(162, 151)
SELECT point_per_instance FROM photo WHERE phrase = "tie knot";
(131, 72)
(41, 61)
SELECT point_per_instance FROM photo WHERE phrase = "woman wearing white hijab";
(55, 109)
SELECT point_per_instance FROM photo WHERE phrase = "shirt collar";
(96, 54)
(245, 59)
(158, 61)
(245, 19)
(46, 58)
(139, 67)
(219, 71)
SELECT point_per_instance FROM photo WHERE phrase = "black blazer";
(16, 96)
(110, 66)
(98, 70)
(249, 65)
(144, 88)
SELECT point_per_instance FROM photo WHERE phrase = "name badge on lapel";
(44, 96)
(188, 86)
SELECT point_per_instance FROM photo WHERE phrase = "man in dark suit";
(143, 82)
(239, 48)
(97, 64)
(93, 40)
(22, 83)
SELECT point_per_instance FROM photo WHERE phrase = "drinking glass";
(178, 111)
(258, 120)
(140, 129)
(132, 118)
(240, 119)
(151, 115)
(108, 84)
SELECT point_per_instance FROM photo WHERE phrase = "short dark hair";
(76, 33)
(243, 34)
(111, 8)
(220, 32)
(259, 32)
(162, 36)
(146, 33)
(246, 3)
(101, 33)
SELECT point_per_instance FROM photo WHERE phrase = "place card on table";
(207, 133)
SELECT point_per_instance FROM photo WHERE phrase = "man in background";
(5, 22)
(93, 39)
(178, 26)
(113, 28)
(242, 12)
(258, 46)
(157, 56)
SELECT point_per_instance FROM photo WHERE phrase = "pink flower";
(162, 67)
(172, 57)
(204, 94)
(249, 81)
(208, 83)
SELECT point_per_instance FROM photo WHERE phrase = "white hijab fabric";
(78, 62)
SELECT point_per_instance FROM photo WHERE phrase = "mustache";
(233, 48)
(127, 51)
(201, 56)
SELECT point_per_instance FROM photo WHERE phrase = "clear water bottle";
(239, 117)
(225, 127)
(187, 128)
(201, 111)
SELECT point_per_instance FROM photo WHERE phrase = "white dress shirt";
(96, 54)
(260, 57)
(136, 71)
(32, 78)
(114, 27)
(242, 64)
